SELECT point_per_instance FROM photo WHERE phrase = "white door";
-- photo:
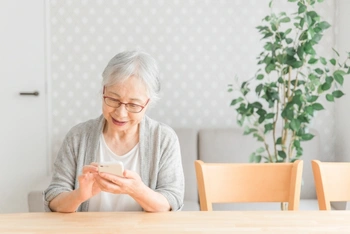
(23, 119)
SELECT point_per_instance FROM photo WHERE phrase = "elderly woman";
(153, 178)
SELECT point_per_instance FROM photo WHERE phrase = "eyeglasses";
(130, 107)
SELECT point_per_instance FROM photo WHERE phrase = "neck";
(121, 136)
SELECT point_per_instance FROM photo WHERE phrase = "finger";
(94, 164)
(90, 169)
(131, 175)
(84, 178)
(107, 185)
(112, 178)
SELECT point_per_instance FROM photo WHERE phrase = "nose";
(121, 110)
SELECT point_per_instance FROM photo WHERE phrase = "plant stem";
(290, 148)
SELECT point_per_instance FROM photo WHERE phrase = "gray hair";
(133, 63)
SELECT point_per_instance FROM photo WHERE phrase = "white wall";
(342, 33)
(201, 46)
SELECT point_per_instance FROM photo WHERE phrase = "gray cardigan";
(160, 156)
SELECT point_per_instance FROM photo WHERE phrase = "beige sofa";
(220, 145)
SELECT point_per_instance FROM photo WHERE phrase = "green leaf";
(269, 34)
(324, 25)
(295, 125)
(287, 31)
(257, 105)
(296, 144)
(260, 77)
(252, 157)
(259, 88)
(270, 67)
(261, 112)
(326, 86)
(309, 20)
(312, 61)
(317, 29)
(330, 97)
(329, 79)
(248, 130)
(273, 27)
(337, 94)
(312, 98)
(306, 137)
(338, 77)
(309, 110)
(258, 137)
(235, 101)
(296, 64)
(302, 8)
(319, 71)
(260, 150)
(309, 49)
(291, 52)
(303, 36)
(282, 154)
(323, 61)
(270, 115)
(268, 127)
(289, 40)
(317, 37)
(279, 141)
(268, 46)
(258, 158)
(317, 106)
(285, 20)
(300, 51)
(333, 61)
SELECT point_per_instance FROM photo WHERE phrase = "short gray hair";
(133, 63)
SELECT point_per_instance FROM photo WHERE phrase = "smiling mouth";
(118, 122)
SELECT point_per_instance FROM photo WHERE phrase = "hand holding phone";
(115, 168)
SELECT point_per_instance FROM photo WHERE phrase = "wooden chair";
(243, 182)
(332, 182)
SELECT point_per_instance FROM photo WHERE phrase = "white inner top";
(105, 201)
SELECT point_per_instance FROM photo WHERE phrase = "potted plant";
(289, 83)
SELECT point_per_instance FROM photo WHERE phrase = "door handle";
(35, 93)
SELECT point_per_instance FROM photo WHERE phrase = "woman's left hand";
(130, 184)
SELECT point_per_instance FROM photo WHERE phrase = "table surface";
(178, 222)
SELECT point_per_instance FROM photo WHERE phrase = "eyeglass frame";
(125, 104)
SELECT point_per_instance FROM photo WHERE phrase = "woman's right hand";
(87, 184)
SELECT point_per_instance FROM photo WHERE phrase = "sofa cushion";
(188, 143)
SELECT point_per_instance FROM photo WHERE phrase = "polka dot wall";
(200, 45)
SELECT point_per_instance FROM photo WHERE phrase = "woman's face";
(130, 91)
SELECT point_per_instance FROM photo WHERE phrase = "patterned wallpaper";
(201, 45)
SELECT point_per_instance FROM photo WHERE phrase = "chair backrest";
(332, 182)
(248, 182)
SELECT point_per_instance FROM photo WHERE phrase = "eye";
(113, 100)
(132, 105)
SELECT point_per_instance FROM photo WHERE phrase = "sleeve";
(170, 181)
(64, 172)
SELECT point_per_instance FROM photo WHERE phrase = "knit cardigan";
(160, 158)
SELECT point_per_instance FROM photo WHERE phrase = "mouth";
(118, 123)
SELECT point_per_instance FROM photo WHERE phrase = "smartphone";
(115, 168)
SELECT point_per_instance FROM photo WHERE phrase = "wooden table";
(179, 222)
